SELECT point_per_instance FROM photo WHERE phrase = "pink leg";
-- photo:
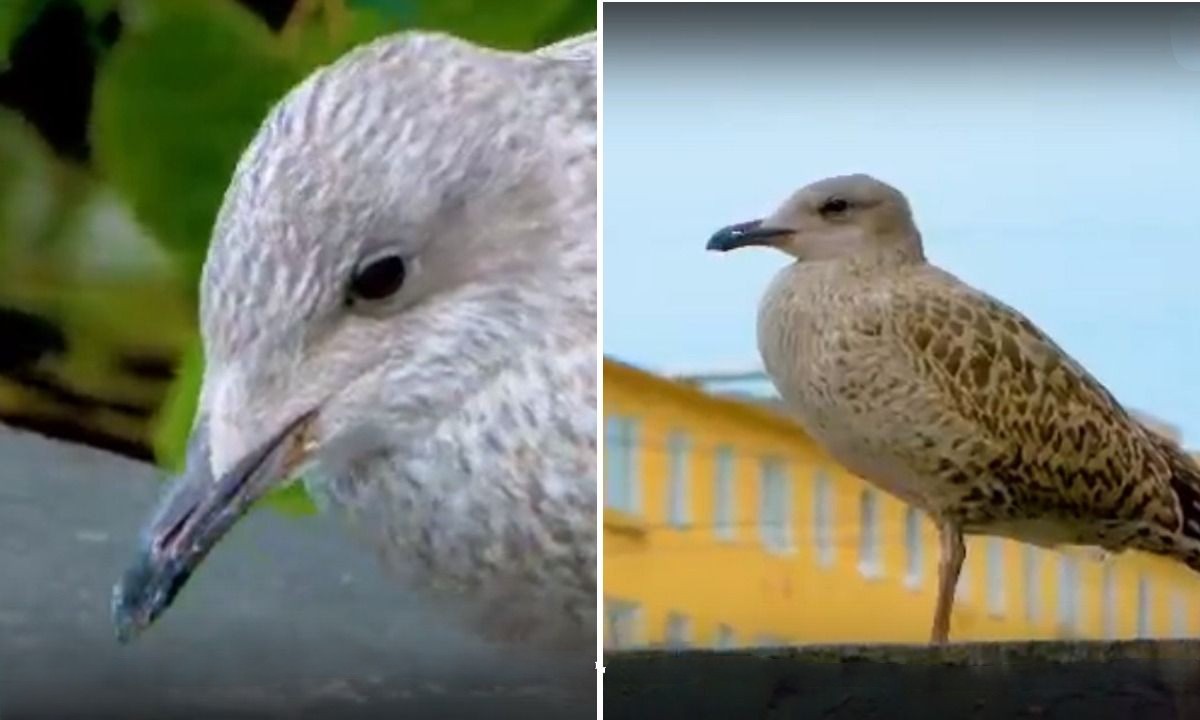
(953, 552)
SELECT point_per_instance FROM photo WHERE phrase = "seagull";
(947, 398)
(398, 305)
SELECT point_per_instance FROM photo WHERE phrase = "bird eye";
(834, 206)
(378, 279)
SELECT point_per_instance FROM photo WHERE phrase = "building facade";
(726, 526)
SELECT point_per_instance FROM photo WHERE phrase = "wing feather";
(1041, 427)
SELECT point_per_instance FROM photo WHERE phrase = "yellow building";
(725, 525)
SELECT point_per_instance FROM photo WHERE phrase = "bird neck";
(894, 252)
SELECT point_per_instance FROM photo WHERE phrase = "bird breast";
(492, 515)
(822, 350)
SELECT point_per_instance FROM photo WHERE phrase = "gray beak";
(743, 235)
(195, 512)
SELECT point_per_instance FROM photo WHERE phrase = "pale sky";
(1058, 173)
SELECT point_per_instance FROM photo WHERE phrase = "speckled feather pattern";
(457, 420)
(957, 403)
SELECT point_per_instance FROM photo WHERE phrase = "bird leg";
(950, 562)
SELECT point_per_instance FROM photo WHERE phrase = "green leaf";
(577, 18)
(291, 500)
(15, 17)
(513, 25)
(30, 197)
(317, 47)
(397, 12)
(180, 97)
(96, 9)
(174, 421)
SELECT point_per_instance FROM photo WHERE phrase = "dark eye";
(378, 279)
(834, 206)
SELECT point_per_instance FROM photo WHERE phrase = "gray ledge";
(1143, 679)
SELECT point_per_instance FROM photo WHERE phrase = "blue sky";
(1062, 177)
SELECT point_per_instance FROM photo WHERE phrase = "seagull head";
(400, 223)
(840, 216)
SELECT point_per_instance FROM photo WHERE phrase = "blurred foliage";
(202, 74)
(176, 99)
(17, 15)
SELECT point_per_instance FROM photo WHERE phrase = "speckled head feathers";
(384, 147)
(450, 394)
(476, 166)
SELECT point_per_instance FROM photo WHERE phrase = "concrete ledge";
(1144, 680)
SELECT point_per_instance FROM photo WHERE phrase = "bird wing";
(1049, 436)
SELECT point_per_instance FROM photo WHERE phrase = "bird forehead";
(860, 188)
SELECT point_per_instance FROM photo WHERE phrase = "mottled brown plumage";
(950, 399)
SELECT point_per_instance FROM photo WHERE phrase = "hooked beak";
(195, 512)
(743, 235)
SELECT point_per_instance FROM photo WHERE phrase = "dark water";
(286, 617)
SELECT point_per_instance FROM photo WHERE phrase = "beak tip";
(125, 632)
(139, 597)
(732, 237)
(717, 243)
(123, 615)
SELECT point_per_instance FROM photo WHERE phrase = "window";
(725, 639)
(995, 576)
(1031, 567)
(624, 619)
(962, 590)
(770, 641)
(678, 499)
(678, 633)
(724, 509)
(1143, 607)
(1108, 601)
(915, 565)
(823, 517)
(620, 464)
(1178, 616)
(868, 533)
(775, 506)
(1068, 593)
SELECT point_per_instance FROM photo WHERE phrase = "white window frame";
(823, 516)
(725, 493)
(1145, 608)
(774, 505)
(1178, 615)
(770, 641)
(997, 599)
(679, 497)
(914, 548)
(622, 486)
(962, 590)
(726, 638)
(622, 617)
(1031, 569)
(1069, 605)
(1108, 600)
(677, 632)
(870, 542)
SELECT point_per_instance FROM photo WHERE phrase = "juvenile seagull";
(947, 398)
(399, 304)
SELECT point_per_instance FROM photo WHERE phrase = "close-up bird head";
(840, 216)
(397, 227)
